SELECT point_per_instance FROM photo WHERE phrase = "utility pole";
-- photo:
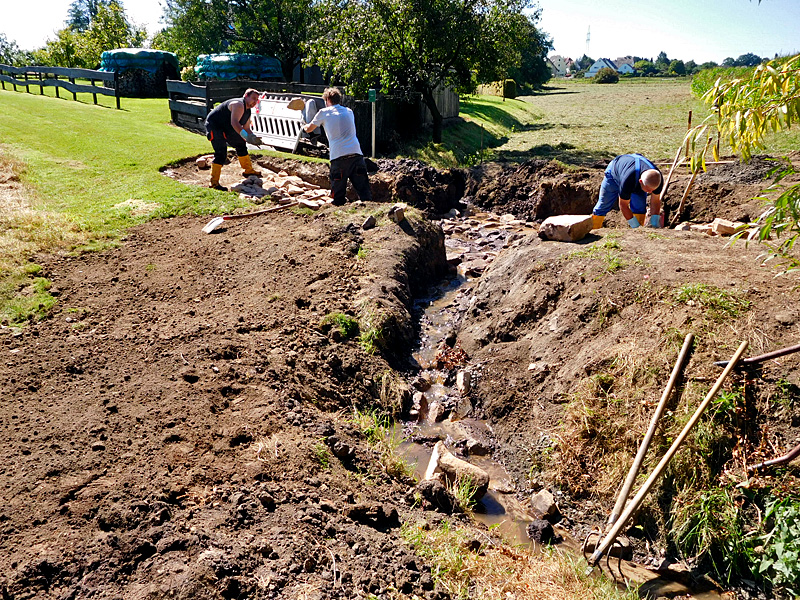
(588, 35)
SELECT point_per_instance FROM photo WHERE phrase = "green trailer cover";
(124, 59)
(241, 66)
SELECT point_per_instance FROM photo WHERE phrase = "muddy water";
(472, 243)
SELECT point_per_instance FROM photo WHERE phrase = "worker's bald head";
(650, 180)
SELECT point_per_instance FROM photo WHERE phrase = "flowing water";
(444, 413)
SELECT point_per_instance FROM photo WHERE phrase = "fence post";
(27, 86)
(94, 96)
(41, 85)
(74, 94)
(116, 88)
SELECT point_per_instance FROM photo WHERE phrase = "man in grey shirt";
(347, 161)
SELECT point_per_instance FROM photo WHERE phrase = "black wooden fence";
(189, 103)
(60, 77)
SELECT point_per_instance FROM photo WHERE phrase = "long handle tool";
(762, 357)
(656, 474)
(637, 462)
(217, 221)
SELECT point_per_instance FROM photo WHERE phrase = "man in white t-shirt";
(347, 161)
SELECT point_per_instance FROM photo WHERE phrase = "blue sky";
(699, 30)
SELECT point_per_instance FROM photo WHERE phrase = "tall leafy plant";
(745, 110)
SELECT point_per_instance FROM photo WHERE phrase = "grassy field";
(87, 173)
(578, 123)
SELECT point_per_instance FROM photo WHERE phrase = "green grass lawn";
(578, 123)
(85, 170)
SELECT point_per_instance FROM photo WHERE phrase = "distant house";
(623, 60)
(551, 65)
(625, 69)
(562, 66)
(600, 63)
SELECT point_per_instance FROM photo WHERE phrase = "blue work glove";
(655, 221)
(633, 222)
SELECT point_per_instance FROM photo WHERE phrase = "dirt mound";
(574, 343)
(175, 428)
(430, 190)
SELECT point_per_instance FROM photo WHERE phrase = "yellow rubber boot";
(639, 217)
(216, 171)
(597, 221)
(247, 165)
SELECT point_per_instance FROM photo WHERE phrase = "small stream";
(443, 412)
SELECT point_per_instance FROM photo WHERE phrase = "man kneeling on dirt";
(229, 124)
(347, 161)
(630, 178)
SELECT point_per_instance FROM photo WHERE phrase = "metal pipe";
(637, 500)
(637, 462)
(786, 458)
(761, 358)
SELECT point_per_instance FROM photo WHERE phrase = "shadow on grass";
(463, 144)
(493, 114)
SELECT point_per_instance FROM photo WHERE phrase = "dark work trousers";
(222, 138)
(350, 167)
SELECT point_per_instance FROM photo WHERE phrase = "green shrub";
(606, 75)
(780, 561)
(705, 79)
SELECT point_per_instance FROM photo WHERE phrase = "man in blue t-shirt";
(347, 161)
(630, 178)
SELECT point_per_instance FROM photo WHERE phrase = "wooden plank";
(186, 87)
(188, 108)
(58, 83)
(74, 73)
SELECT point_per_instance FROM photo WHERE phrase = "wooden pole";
(688, 129)
(654, 476)
(94, 96)
(669, 175)
(74, 95)
(677, 215)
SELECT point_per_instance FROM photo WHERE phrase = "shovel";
(217, 221)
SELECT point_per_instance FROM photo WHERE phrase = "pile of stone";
(473, 243)
(720, 227)
(282, 188)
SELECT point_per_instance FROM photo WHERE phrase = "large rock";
(543, 505)
(455, 468)
(566, 228)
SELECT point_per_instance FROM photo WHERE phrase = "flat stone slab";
(566, 228)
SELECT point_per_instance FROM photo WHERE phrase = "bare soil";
(179, 424)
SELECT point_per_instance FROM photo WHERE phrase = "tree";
(645, 67)
(729, 62)
(584, 63)
(709, 65)
(677, 67)
(414, 46)
(82, 13)
(108, 30)
(271, 27)
(606, 75)
(747, 60)
(532, 70)
(64, 51)
(744, 112)
(662, 62)
(10, 54)
(691, 67)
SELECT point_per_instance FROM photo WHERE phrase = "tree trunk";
(430, 102)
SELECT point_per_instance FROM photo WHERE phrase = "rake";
(217, 221)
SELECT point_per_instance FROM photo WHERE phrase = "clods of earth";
(181, 424)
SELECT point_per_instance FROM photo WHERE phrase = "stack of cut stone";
(283, 188)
